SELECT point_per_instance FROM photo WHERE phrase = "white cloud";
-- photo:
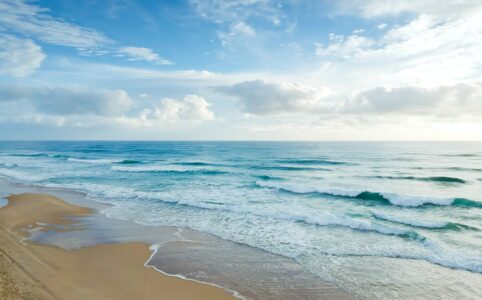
(242, 28)
(381, 26)
(430, 49)
(377, 8)
(76, 107)
(33, 21)
(145, 54)
(134, 73)
(236, 19)
(260, 97)
(393, 100)
(68, 101)
(190, 108)
(345, 47)
(232, 11)
(443, 102)
(237, 35)
(19, 57)
(271, 98)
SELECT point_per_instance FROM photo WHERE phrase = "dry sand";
(107, 271)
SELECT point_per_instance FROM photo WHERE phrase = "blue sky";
(241, 69)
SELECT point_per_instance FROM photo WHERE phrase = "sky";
(241, 70)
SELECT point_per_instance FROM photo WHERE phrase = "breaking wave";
(377, 197)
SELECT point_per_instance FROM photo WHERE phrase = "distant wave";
(439, 179)
(94, 150)
(461, 155)
(130, 162)
(464, 169)
(8, 165)
(313, 162)
(39, 155)
(268, 177)
(377, 197)
(59, 156)
(165, 169)
(30, 154)
(422, 223)
(196, 164)
(288, 168)
(94, 161)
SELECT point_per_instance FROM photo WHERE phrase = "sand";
(107, 271)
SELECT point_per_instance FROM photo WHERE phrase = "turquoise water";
(374, 218)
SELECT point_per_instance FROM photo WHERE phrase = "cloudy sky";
(241, 69)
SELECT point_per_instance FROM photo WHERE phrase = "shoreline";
(36, 271)
(269, 280)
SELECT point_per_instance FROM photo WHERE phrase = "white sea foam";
(353, 223)
(105, 192)
(149, 168)
(301, 188)
(22, 176)
(410, 220)
(416, 201)
(94, 161)
(464, 259)
(162, 168)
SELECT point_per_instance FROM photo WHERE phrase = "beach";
(106, 271)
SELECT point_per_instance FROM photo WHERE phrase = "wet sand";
(106, 271)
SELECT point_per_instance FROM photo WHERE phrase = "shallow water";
(382, 220)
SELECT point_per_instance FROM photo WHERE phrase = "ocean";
(381, 220)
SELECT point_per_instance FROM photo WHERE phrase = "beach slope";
(106, 271)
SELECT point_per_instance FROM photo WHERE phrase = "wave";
(462, 202)
(166, 169)
(59, 156)
(439, 179)
(38, 156)
(460, 155)
(326, 219)
(453, 258)
(30, 154)
(457, 259)
(357, 224)
(8, 165)
(288, 168)
(313, 162)
(130, 162)
(464, 169)
(22, 176)
(422, 223)
(196, 164)
(94, 150)
(377, 197)
(267, 177)
(94, 161)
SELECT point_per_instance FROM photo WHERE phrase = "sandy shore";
(107, 271)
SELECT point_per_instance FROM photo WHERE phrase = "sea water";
(381, 220)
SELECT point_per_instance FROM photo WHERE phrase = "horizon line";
(214, 140)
